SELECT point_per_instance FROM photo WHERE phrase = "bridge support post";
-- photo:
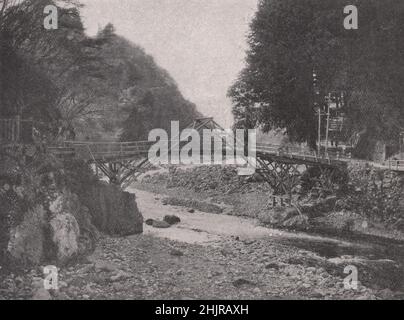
(282, 177)
(120, 172)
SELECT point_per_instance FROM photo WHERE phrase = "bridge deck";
(117, 151)
(18, 131)
(102, 151)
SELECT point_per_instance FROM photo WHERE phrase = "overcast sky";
(201, 43)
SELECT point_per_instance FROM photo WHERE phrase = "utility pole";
(317, 106)
(328, 122)
(18, 128)
(319, 132)
(401, 145)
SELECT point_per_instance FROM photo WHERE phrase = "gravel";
(153, 268)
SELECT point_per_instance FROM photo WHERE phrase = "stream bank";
(381, 258)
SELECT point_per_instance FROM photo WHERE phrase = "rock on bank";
(113, 211)
(66, 226)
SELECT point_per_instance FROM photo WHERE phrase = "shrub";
(375, 194)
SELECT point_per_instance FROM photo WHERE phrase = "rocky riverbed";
(205, 256)
(146, 267)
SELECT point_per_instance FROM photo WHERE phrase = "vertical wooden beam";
(18, 128)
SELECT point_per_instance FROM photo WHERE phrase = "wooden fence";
(16, 130)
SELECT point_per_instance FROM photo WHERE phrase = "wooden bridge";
(111, 151)
(120, 161)
(280, 166)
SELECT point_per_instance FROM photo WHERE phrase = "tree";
(67, 80)
(290, 39)
(49, 76)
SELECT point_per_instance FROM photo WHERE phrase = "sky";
(201, 43)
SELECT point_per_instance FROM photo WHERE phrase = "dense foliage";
(290, 39)
(76, 86)
(376, 195)
(72, 86)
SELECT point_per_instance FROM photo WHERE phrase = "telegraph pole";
(319, 132)
(317, 106)
(328, 122)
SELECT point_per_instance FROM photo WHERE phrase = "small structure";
(384, 151)
(204, 123)
(402, 145)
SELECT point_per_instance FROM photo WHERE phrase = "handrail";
(111, 142)
(132, 148)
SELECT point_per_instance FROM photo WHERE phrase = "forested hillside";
(79, 87)
(138, 95)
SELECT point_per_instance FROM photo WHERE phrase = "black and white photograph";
(175, 151)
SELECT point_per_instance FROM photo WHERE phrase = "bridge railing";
(300, 152)
(397, 165)
(116, 150)
(109, 149)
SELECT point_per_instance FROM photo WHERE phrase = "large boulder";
(65, 234)
(52, 234)
(339, 222)
(277, 216)
(113, 211)
(68, 202)
(68, 206)
(161, 224)
(299, 222)
(319, 208)
(171, 219)
(26, 244)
